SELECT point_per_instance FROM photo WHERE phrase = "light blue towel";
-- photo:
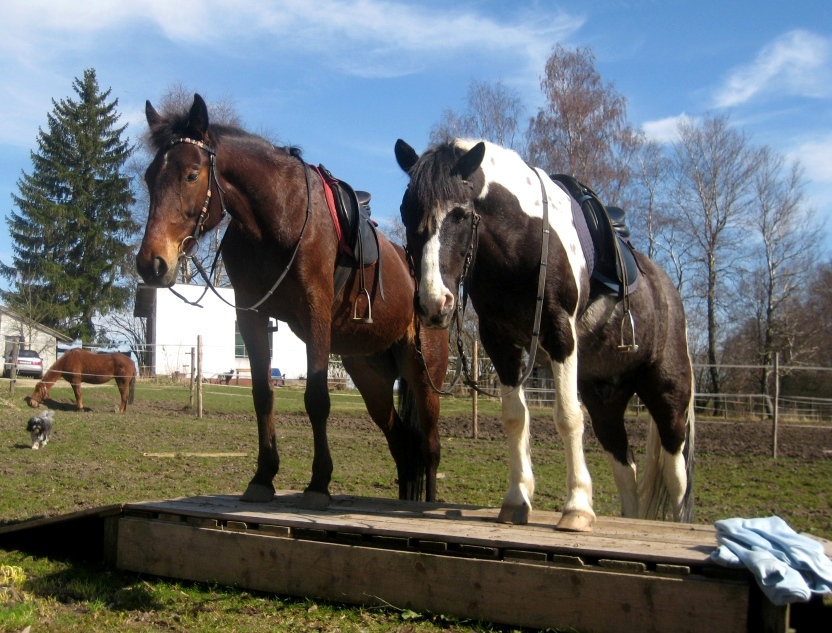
(788, 567)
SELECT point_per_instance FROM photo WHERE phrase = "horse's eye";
(193, 176)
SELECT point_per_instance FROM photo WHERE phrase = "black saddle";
(610, 236)
(359, 246)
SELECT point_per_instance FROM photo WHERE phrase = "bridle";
(200, 227)
(462, 292)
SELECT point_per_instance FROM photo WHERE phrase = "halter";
(200, 226)
(203, 215)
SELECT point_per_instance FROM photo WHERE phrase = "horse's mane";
(431, 181)
(175, 125)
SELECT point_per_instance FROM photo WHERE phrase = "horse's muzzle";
(155, 271)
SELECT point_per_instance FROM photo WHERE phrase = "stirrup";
(632, 347)
(369, 317)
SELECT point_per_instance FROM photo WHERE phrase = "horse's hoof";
(258, 493)
(518, 515)
(576, 521)
(314, 500)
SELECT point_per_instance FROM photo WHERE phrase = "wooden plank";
(692, 547)
(509, 592)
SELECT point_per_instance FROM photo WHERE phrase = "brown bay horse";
(79, 365)
(280, 251)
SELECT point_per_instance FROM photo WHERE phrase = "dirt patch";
(712, 437)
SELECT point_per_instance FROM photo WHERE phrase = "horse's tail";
(411, 465)
(690, 462)
(654, 497)
(132, 391)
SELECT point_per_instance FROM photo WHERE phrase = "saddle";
(358, 243)
(609, 235)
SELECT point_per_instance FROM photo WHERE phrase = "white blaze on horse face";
(434, 297)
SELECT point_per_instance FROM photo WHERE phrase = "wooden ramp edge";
(626, 575)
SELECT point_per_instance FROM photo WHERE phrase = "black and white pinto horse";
(476, 201)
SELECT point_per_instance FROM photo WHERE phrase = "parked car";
(277, 377)
(29, 363)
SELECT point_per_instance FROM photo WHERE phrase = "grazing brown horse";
(79, 365)
(280, 250)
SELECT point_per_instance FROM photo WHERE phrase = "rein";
(459, 314)
(200, 227)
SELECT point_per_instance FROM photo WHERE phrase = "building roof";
(34, 324)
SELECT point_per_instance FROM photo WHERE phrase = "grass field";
(99, 457)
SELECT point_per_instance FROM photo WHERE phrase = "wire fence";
(806, 396)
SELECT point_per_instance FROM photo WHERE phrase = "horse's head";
(440, 222)
(179, 183)
(38, 396)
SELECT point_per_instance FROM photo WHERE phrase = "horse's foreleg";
(517, 504)
(577, 515)
(253, 328)
(316, 398)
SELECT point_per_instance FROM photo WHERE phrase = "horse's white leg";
(578, 515)
(626, 480)
(517, 504)
(675, 480)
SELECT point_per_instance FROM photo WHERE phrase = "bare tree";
(493, 112)
(714, 171)
(790, 240)
(583, 130)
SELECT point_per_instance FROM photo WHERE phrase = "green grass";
(98, 458)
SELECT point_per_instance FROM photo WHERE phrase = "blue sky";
(345, 79)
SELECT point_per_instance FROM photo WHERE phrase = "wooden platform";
(627, 575)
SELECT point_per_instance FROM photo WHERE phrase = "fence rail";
(176, 362)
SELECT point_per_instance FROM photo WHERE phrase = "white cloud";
(796, 63)
(366, 37)
(664, 130)
(816, 158)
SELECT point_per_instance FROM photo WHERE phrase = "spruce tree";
(73, 224)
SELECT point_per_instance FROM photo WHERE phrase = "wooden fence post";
(13, 370)
(193, 374)
(475, 393)
(199, 376)
(776, 405)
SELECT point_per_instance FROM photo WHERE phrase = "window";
(240, 350)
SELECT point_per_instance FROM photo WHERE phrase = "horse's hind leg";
(606, 403)
(123, 388)
(665, 478)
(76, 389)
(374, 377)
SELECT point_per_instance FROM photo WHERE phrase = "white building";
(15, 329)
(173, 328)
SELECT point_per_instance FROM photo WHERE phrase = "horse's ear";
(153, 117)
(470, 161)
(406, 156)
(198, 118)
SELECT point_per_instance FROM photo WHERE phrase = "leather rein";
(459, 313)
(200, 228)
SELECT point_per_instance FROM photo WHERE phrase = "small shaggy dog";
(39, 427)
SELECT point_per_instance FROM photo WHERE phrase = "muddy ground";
(712, 437)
